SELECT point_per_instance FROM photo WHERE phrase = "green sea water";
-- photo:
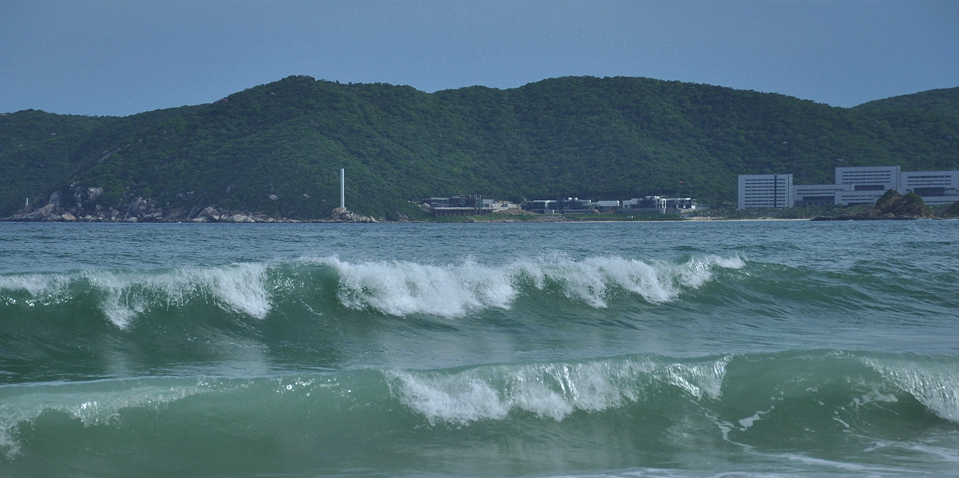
(629, 349)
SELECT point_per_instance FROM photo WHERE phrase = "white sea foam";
(748, 422)
(401, 288)
(44, 288)
(590, 280)
(239, 287)
(549, 391)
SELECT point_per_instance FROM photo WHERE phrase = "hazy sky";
(119, 57)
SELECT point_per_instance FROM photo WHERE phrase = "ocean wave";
(395, 288)
(762, 403)
(934, 381)
(402, 288)
(812, 388)
(91, 403)
(550, 390)
(239, 287)
(124, 295)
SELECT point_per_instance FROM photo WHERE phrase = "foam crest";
(590, 280)
(40, 287)
(402, 288)
(100, 404)
(935, 383)
(548, 391)
(239, 288)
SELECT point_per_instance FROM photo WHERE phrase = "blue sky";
(120, 57)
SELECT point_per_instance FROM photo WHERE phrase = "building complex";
(853, 185)
(470, 205)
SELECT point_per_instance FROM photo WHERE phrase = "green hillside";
(276, 149)
(943, 101)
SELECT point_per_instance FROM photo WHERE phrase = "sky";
(121, 57)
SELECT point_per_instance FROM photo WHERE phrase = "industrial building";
(765, 190)
(645, 205)
(854, 185)
(458, 205)
(935, 187)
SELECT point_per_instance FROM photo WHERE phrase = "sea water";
(685, 349)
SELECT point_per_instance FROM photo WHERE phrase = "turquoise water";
(628, 349)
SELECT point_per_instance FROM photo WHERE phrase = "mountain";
(276, 149)
(943, 101)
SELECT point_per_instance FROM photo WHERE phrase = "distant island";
(273, 152)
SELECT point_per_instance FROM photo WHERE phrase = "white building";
(604, 206)
(854, 185)
(659, 205)
(935, 187)
(765, 190)
(870, 178)
(853, 198)
(868, 183)
(817, 194)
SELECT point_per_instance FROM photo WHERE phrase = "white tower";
(342, 188)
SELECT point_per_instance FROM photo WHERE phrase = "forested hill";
(943, 101)
(277, 148)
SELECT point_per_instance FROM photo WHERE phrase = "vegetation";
(892, 205)
(948, 211)
(942, 101)
(276, 149)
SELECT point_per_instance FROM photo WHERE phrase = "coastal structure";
(644, 205)
(476, 205)
(853, 185)
(342, 188)
(765, 190)
(934, 187)
(459, 205)
(659, 205)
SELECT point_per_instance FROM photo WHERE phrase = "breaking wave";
(396, 288)
(758, 401)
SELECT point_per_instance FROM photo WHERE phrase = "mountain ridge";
(275, 149)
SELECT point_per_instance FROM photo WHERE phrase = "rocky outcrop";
(891, 205)
(341, 214)
(79, 204)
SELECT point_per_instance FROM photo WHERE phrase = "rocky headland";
(71, 207)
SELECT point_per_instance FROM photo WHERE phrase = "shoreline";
(465, 221)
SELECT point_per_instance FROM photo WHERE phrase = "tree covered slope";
(943, 101)
(276, 149)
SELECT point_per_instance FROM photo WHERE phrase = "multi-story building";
(854, 185)
(817, 194)
(765, 190)
(935, 187)
(870, 178)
